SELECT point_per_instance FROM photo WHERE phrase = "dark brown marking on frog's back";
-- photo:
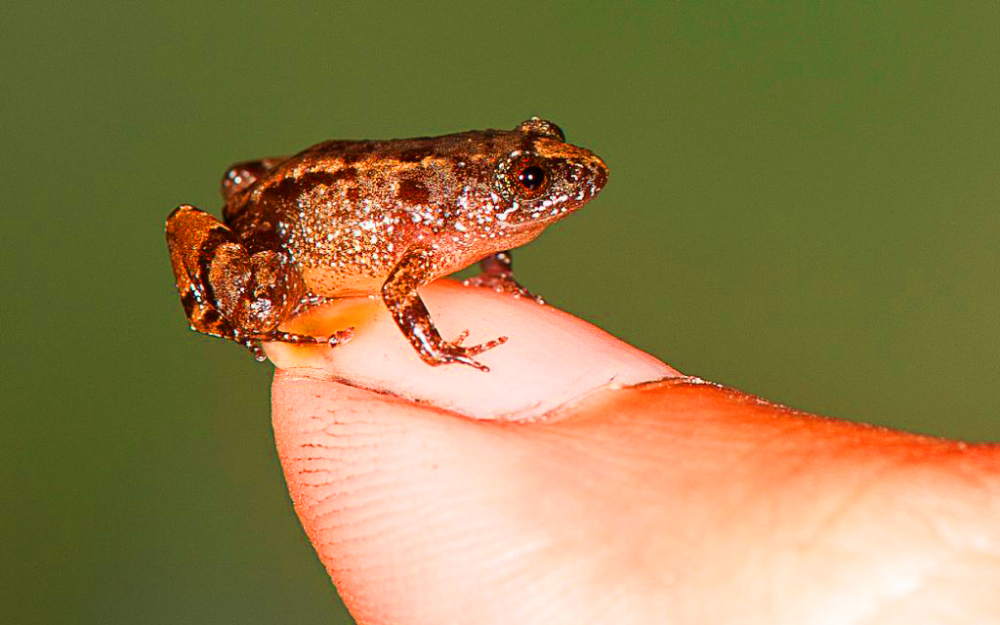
(412, 191)
(414, 155)
(288, 190)
(350, 152)
(315, 178)
(347, 173)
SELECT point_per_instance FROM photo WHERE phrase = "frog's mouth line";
(534, 216)
(534, 223)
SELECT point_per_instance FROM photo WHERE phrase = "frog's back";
(345, 162)
(387, 156)
(344, 211)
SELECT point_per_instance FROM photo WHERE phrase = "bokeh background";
(803, 204)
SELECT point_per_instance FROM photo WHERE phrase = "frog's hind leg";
(192, 238)
(228, 293)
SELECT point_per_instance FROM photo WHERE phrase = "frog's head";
(543, 178)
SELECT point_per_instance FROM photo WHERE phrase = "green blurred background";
(803, 204)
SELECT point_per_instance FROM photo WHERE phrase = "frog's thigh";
(193, 238)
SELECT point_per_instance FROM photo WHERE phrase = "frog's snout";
(599, 173)
(594, 177)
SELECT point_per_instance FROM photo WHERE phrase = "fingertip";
(545, 358)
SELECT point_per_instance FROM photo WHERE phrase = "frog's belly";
(330, 283)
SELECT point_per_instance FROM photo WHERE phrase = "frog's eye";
(529, 179)
(532, 179)
(523, 177)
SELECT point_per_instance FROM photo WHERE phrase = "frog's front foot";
(446, 353)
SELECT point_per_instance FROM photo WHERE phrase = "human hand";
(582, 481)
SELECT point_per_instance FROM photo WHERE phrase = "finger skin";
(674, 501)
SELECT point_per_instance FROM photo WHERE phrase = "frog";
(375, 218)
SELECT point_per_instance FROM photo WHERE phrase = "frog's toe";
(255, 349)
(466, 360)
(472, 350)
(340, 337)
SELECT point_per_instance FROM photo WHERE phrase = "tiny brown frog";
(352, 218)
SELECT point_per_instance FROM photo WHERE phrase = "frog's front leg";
(228, 292)
(399, 292)
(498, 274)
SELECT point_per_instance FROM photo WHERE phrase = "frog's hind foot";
(502, 285)
(498, 274)
(253, 341)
